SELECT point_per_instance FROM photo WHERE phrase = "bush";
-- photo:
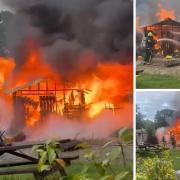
(156, 168)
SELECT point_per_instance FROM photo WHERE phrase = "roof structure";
(165, 22)
(24, 86)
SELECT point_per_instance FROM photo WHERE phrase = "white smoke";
(6, 115)
(55, 127)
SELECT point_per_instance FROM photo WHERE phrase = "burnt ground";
(158, 67)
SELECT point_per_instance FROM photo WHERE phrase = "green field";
(155, 81)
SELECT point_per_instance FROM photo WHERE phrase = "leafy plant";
(103, 164)
(155, 168)
(93, 167)
(48, 157)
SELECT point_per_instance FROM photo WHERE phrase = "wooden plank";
(65, 145)
(23, 156)
(67, 159)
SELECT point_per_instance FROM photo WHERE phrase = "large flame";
(6, 67)
(175, 130)
(110, 84)
(165, 13)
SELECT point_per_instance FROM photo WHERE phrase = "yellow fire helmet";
(150, 34)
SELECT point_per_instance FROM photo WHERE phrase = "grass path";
(155, 81)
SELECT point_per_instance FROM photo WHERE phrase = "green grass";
(175, 155)
(155, 81)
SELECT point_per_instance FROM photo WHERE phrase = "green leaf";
(48, 142)
(82, 146)
(40, 151)
(115, 153)
(126, 134)
(44, 168)
(121, 175)
(37, 147)
(51, 155)
(54, 145)
(42, 159)
(61, 163)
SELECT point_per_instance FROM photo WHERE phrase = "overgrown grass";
(175, 156)
(155, 81)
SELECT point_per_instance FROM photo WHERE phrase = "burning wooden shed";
(168, 32)
(33, 101)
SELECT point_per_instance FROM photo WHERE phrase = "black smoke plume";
(67, 30)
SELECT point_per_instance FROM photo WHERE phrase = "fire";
(109, 86)
(165, 13)
(138, 28)
(175, 130)
(6, 67)
(34, 67)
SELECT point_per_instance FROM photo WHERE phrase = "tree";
(163, 118)
(139, 118)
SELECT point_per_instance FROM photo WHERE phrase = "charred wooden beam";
(23, 156)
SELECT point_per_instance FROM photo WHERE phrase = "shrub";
(156, 168)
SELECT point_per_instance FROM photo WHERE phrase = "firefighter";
(149, 47)
(173, 140)
(164, 141)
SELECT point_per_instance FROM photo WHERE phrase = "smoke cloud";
(101, 127)
(147, 10)
(64, 30)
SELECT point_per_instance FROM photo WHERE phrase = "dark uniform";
(149, 47)
(173, 140)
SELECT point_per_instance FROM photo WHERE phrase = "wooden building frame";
(165, 29)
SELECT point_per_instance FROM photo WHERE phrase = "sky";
(2, 7)
(150, 102)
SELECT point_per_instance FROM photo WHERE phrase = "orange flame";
(165, 13)
(138, 28)
(6, 67)
(175, 130)
(109, 84)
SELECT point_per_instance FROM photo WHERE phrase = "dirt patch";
(158, 67)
